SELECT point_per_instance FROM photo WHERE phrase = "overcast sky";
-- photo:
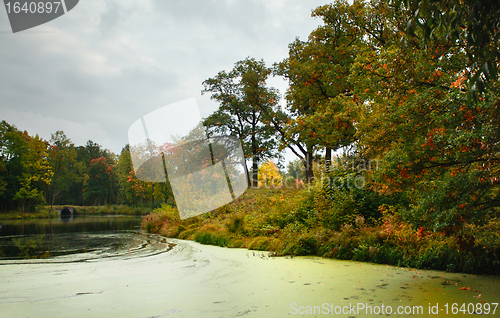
(106, 63)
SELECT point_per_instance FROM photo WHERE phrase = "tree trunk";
(309, 166)
(249, 181)
(53, 197)
(255, 161)
(24, 207)
(152, 195)
(52, 202)
(328, 159)
(255, 172)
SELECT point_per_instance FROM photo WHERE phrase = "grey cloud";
(107, 63)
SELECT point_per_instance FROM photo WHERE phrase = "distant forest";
(35, 171)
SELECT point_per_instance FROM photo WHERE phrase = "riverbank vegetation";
(290, 221)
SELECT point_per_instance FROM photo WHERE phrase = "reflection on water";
(75, 239)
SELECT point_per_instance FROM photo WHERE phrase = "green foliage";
(288, 222)
(236, 224)
(211, 238)
(67, 171)
(260, 243)
(135, 192)
(306, 245)
(100, 177)
(470, 25)
(244, 103)
(319, 103)
(438, 147)
(24, 169)
(295, 171)
(343, 195)
(304, 213)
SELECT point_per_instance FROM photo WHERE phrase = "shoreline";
(286, 223)
(43, 212)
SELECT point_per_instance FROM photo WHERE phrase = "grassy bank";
(293, 222)
(42, 212)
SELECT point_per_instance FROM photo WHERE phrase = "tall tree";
(243, 98)
(13, 146)
(84, 154)
(126, 171)
(269, 175)
(66, 169)
(319, 98)
(132, 189)
(99, 181)
(36, 172)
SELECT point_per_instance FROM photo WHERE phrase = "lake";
(76, 238)
(177, 278)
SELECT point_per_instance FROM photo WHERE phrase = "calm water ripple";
(76, 240)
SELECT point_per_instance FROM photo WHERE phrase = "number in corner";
(32, 7)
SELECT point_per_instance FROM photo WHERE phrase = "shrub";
(156, 219)
(260, 243)
(342, 195)
(307, 244)
(340, 224)
(211, 238)
(236, 224)
(305, 212)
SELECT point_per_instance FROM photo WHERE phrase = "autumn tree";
(24, 170)
(439, 147)
(132, 189)
(36, 173)
(84, 154)
(319, 99)
(269, 175)
(125, 173)
(470, 25)
(243, 99)
(98, 183)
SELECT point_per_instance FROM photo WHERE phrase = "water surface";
(106, 267)
(77, 238)
(193, 280)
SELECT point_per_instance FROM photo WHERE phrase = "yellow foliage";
(269, 174)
